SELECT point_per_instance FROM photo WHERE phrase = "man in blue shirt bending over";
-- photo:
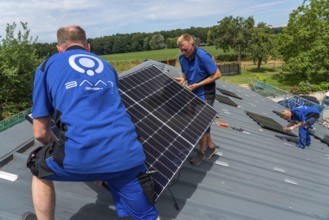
(302, 117)
(200, 72)
(99, 140)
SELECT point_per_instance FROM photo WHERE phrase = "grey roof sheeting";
(255, 175)
(10, 142)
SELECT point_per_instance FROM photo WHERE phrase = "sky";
(108, 17)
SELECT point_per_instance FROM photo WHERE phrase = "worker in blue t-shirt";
(200, 72)
(100, 142)
(302, 117)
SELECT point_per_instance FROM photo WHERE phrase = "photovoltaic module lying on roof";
(229, 93)
(225, 100)
(169, 120)
(268, 123)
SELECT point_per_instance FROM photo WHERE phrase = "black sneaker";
(197, 159)
(210, 152)
(29, 216)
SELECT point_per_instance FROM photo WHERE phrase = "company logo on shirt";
(89, 65)
(99, 85)
(84, 63)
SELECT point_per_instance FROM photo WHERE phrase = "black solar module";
(321, 137)
(229, 93)
(169, 120)
(269, 123)
(225, 100)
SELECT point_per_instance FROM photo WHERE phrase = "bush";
(315, 88)
(324, 86)
(18, 62)
(260, 77)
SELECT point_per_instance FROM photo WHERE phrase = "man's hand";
(180, 80)
(289, 128)
(192, 87)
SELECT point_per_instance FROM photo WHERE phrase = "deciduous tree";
(260, 44)
(304, 43)
(157, 42)
(233, 34)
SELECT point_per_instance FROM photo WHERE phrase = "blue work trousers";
(304, 134)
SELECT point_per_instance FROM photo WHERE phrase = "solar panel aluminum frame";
(170, 120)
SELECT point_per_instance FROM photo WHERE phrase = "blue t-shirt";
(302, 113)
(198, 68)
(100, 136)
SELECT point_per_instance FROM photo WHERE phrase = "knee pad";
(31, 161)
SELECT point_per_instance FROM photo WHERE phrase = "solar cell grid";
(169, 120)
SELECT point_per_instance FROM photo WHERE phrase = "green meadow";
(164, 54)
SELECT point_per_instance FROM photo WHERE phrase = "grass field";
(125, 61)
(249, 72)
(164, 54)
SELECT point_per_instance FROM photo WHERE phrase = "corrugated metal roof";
(254, 176)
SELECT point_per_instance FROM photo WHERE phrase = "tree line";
(134, 42)
(303, 45)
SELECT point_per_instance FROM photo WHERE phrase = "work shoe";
(29, 216)
(300, 146)
(210, 152)
(197, 159)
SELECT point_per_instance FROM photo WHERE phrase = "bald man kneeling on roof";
(99, 141)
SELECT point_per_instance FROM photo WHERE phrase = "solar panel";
(229, 93)
(225, 100)
(321, 137)
(169, 120)
(268, 123)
